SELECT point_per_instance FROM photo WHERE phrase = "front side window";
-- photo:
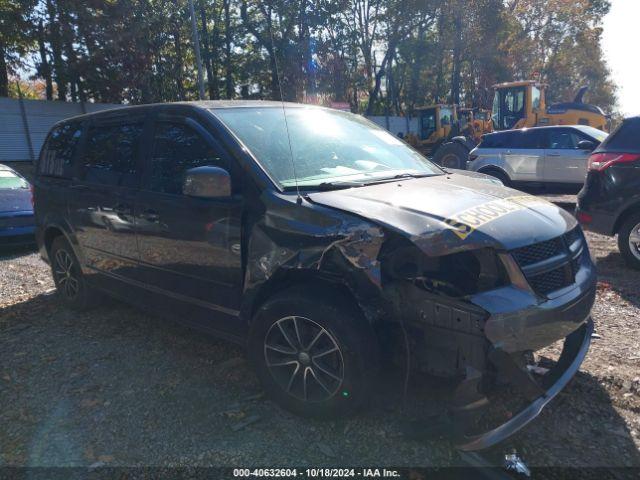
(321, 146)
(177, 148)
(564, 140)
(110, 154)
(535, 97)
(57, 154)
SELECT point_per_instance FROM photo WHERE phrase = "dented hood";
(447, 213)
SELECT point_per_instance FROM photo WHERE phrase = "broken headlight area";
(430, 296)
(449, 333)
(456, 275)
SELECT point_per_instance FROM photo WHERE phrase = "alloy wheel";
(65, 274)
(304, 359)
(634, 241)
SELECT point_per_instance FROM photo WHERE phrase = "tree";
(382, 56)
(15, 38)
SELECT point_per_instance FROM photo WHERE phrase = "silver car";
(556, 155)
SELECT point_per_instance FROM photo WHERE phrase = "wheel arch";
(50, 234)
(54, 230)
(626, 213)
(493, 168)
(307, 280)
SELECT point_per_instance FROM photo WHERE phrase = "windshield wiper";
(337, 185)
(402, 175)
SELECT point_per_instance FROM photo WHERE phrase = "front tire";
(629, 241)
(67, 275)
(314, 355)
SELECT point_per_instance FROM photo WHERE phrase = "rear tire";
(315, 356)
(629, 241)
(452, 155)
(71, 284)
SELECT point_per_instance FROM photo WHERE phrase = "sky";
(619, 43)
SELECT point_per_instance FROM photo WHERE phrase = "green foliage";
(380, 56)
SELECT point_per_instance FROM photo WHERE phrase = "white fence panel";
(40, 116)
(397, 125)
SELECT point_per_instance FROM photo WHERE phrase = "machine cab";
(436, 122)
(517, 104)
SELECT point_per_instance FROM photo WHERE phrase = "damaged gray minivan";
(318, 240)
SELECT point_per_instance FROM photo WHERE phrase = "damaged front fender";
(323, 243)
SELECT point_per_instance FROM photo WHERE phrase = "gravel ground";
(116, 386)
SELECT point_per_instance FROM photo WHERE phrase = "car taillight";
(584, 217)
(31, 190)
(601, 161)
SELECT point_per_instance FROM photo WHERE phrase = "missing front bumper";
(574, 351)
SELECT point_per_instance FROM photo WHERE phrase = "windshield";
(446, 116)
(599, 135)
(428, 126)
(8, 180)
(327, 146)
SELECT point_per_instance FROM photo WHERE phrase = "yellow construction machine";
(448, 132)
(475, 122)
(523, 104)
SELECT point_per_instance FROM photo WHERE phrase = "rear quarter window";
(625, 138)
(58, 151)
(494, 140)
(9, 180)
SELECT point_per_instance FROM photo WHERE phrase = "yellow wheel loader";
(523, 104)
(447, 133)
(475, 122)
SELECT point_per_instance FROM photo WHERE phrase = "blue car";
(16, 209)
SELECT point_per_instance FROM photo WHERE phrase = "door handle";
(151, 215)
(553, 154)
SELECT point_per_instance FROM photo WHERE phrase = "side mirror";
(207, 182)
(587, 145)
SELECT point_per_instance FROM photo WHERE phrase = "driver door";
(564, 161)
(189, 247)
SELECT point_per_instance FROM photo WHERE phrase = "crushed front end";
(479, 315)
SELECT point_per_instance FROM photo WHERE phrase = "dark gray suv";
(318, 240)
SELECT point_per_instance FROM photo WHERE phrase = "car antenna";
(284, 113)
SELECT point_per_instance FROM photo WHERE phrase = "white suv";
(556, 155)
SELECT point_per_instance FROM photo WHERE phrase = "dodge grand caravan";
(319, 241)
